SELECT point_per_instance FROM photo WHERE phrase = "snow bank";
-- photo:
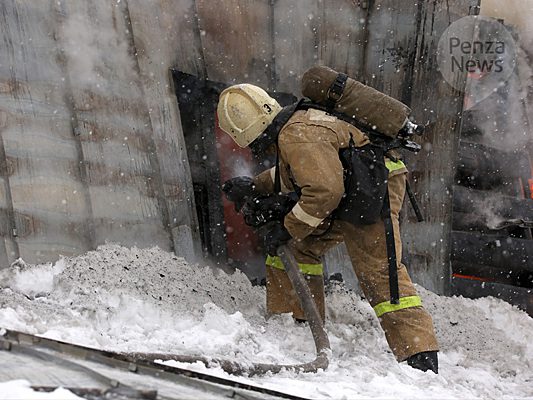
(21, 390)
(149, 300)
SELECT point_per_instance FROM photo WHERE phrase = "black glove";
(268, 207)
(239, 190)
(274, 235)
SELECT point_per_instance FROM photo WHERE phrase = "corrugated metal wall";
(92, 147)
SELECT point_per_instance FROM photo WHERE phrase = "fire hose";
(311, 313)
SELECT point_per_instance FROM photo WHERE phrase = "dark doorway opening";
(213, 158)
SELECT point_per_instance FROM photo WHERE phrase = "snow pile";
(32, 280)
(155, 277)
(149, 300)
(127, 295)
(21, 390)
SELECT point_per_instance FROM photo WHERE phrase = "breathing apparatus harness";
(365, 175)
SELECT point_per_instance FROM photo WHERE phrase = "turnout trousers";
(408, 326)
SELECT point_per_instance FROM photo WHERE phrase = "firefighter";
(308, 147)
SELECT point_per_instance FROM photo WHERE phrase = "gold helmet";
(244, 112)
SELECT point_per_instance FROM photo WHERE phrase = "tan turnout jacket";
(309, 147)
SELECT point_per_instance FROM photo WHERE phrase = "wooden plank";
(477, 202)
(9, 250)
(41, 176)
(237, 41)
(337, 261)
(342, 36)
(112, 123)
(427, 244)
(181, 42)
(296, 41)
(153, 63)
(498, 251)
(354, 40)
(316, 32)
(391, 46)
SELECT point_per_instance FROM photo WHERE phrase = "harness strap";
(336, 90)
(391, 250)
(414, 202)
(277, 177)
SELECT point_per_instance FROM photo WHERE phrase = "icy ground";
(149, 300)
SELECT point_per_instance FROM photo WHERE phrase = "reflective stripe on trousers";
(405, 302)
(308, 269)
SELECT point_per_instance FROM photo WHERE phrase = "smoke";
(488, 211)
(243, 168)
(517, 107)
(96, 44)
(518, 13)
(504, 116)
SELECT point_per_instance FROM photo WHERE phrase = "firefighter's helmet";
(245, 111)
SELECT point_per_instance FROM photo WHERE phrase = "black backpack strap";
(277, 177)
(391, 251)
(414, 202)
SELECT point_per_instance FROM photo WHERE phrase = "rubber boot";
(427, 360)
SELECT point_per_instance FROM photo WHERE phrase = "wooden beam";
(498, 251)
